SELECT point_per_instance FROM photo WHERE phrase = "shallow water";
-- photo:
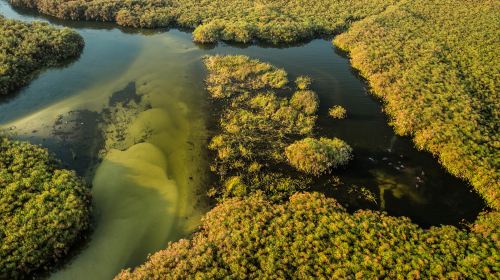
(146, 91)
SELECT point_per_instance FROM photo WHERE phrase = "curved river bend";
(131, 115)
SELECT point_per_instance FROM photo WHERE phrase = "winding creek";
(148, 187)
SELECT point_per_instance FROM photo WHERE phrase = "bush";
(317, 157)
(306, 101)
(303, 82)
(313, 237)
(25, 48)
(208, 33)
(43, 209)
(338, 112)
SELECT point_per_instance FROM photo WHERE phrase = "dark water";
(138, 184)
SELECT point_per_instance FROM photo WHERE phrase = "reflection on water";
(135, 104)
(401, 190)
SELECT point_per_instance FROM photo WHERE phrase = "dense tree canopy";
(313, 237)
(26, 48)
(275, 21)
(43, 209)
(436, 65)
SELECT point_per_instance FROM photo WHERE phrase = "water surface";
(145, 90)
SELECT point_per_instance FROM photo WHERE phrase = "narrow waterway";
(131, 115)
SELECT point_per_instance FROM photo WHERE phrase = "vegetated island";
(257, 235)
(261, 117)
(26, 48)
(43, 209)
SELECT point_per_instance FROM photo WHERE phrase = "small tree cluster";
(318, 156)
(337, 112)
(256, 125)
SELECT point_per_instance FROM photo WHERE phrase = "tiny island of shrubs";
(337, 112)
(43, 209)
(26, 48)
(317, 156)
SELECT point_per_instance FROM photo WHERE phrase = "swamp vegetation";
(438, 86)
(26, 48)
(309, 236)
(233, 20)
(262, 115)
(43, 209)
(436, 66)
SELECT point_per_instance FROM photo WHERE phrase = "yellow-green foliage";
(275, 21)
(27, 47)
(238, 74)
(313, 237)
(436, 65)
(318, 156)
(43, 209)
(256, 125)
(337, 112)
(305, 100)
(303, 82)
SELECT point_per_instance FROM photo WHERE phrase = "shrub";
(208, 33)
(25, 48)
(43, 209)
(303, 82)
(232, 75)
(316, 157)
(305, 100)
(313, 237)
(337, 112)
